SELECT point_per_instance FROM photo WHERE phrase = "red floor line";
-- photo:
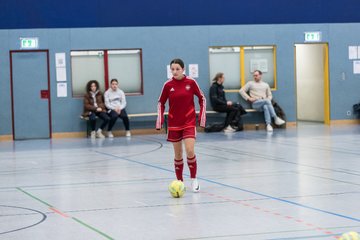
(58, 212)
(325, 231)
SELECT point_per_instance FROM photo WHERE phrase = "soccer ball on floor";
(177, 189)
(350, 236)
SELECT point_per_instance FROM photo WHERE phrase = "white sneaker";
(99, 133)
(279, 121)
(110, 135)
(93, 135)
(195, 185)
(128, 134)
(229, 129)
(269, 128)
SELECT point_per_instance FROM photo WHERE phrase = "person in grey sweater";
(115, 102)
(258, 93)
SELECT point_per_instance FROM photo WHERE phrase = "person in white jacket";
(115, 102)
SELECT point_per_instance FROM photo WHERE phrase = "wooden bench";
(166, 115)
(131, 115)
(153, 114)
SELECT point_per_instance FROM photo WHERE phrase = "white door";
(311, 82)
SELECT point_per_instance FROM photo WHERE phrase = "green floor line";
(32, 196)
(73, 218)
(90, 227)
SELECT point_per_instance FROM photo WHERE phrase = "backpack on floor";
(238, 123)
(214, 127)
(279, 112)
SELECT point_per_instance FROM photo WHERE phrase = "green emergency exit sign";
(312, 36)
(29, 43)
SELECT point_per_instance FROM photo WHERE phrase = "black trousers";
(102, 115)
(114, 116)
(232, 112)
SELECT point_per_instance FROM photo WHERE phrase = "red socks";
(192, 166)
(179, 166)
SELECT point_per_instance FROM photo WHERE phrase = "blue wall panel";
(161, 44)
(346, 92)
(5, 97)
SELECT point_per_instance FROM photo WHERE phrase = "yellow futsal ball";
(177, 188)
(350, 236)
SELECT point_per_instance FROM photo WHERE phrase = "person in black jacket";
(220, 104)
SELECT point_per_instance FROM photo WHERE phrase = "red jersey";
(182, 112)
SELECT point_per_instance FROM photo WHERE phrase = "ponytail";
(217, 76)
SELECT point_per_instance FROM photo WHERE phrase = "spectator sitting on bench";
(220, 104)
(94, 107)
(115, 101)
(260, 98)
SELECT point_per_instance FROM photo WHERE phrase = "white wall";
(310, 82)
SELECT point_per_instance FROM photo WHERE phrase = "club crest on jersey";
(172, 90)
(187, 87)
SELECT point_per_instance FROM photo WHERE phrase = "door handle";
(44, 94)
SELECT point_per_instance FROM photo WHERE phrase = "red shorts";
(178, 135)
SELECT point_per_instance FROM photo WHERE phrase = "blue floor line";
(280, 199)
(238, 188)
(306, 237)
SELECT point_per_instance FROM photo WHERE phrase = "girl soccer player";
(180, 91)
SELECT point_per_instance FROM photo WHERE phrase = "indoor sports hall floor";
(298, 183)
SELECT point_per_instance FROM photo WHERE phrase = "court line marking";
(271, 158)
(238, 188)
(318, 145)
(273, 213)
(267, 157)
(52, 208)
(32, 225)
(32, 196)
(337, 236)
(59, 212)
(281, 200)
(157, 146)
